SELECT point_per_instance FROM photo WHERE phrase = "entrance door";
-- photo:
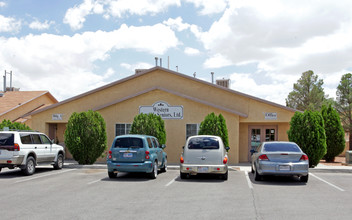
(258, 134)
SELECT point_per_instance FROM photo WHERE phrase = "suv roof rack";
(18, 130)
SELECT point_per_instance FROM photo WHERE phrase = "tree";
(307, 130)
(13, 125)
(85, 136)
(343, 104)
(149, 124)
(335, 135)
(214, 125)
(307, 94)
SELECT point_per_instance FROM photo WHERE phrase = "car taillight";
(147, 155)
(182, 160)
(110, 152)
(16, 147)
(263, 157)
(225, 160)
(304, 157)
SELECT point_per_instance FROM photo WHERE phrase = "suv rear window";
(6, 139)
(129, 143)
(286, 147)
(203, 143)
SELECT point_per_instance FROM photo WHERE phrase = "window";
(6, 139)
(202, 143)
(26, 138)
(156, 143)
(150, 145)
(45, 139)
(191, 130)
(36, 139)
(122, 129)
(129, 143)
(277, 147)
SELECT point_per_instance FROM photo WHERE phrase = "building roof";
(15, 99)
(143, 72)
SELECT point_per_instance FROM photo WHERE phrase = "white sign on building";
(164, 110)
(270, 115)
(56, 117)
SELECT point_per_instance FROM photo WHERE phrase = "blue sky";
(72, 46)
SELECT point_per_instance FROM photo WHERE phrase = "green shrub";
(85, 136)
(214, 125)
(149, 124)
(13, 125)
(335, 135)
(307, 130)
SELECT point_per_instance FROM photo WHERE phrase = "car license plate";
(203, 169)
(284, 167)
(128, 155)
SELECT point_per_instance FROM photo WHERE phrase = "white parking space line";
(248, 180)
(171, 182)
(50, 174)
(336, 187)
(95, 181)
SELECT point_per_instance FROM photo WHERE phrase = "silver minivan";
(204, 154)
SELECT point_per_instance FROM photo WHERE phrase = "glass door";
(258, 134)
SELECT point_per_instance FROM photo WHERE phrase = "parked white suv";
(27, 149)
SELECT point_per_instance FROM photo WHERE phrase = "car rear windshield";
(286, 147)
(203, 143)
(129, 143)
(6, 139)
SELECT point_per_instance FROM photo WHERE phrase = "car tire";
(112, 175)
(164, 168)
(154, 172)
(304, 179)
(184, 175)
(0, 169)
(257, 176)
(252, 170)
(224, 176)
(29, 169)
(59, 162)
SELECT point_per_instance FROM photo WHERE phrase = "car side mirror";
(227, 148)
(163, 146)
(253, 151)
(183, 147)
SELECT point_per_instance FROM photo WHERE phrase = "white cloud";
(191, 51)
(8, 24)
(37, 25)
(76, 16)
(133, 67)
(2, 4)
(217, 61)
(210, 6)
(70, 59)
(177, 24)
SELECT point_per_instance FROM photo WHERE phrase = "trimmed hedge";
(149, 124)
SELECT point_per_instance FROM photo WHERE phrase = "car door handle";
(46, 147)
(35, 147)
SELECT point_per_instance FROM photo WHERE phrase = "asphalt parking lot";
(88, 193)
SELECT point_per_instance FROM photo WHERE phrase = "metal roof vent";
(223, 82)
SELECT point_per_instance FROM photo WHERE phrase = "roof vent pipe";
(161, 63)
(212, 77)
(156, 61)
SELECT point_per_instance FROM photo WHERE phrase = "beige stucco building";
(182, 101)
(15, 104)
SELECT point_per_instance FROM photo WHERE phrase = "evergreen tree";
(307, 130)
(149, 124)
(85, 136)
(343, 104)
(215, 125)
(307, 94)
(335, 135)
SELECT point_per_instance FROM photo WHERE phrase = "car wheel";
(304, 179)
(224, 176)
(154, 172)
(184, 175)
(29, 169)
(112, 175)
(59, 162)
(164, 168)
(257, 176)
(252, 170)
